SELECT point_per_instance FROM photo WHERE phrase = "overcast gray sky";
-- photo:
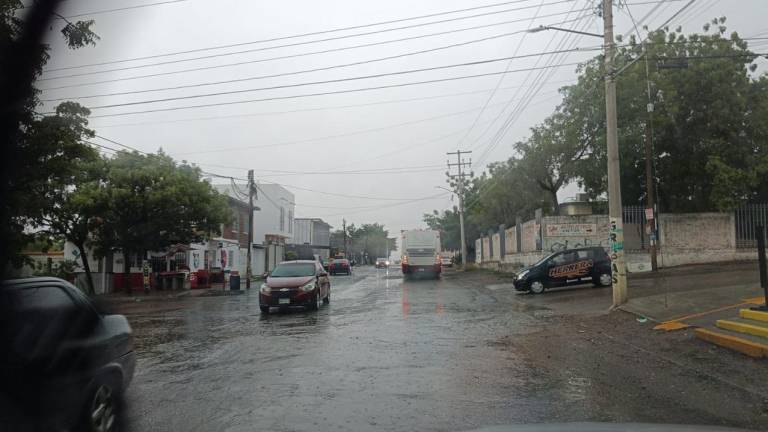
(358, 132)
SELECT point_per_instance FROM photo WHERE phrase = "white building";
(311, 237)
(272, 225)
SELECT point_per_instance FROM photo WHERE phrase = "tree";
(551, 155)
(709, 121)
(150, 203)
(29, 159)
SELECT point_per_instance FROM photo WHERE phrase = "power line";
(122, 9)
(339, 80)
(498, 83)
(320, 69)
(282, 57)
(268, 113)
(325, 32)
(326, 93)
(342, 135)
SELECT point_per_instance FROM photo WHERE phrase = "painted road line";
(676, 324)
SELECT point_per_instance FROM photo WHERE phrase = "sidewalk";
(692, 292)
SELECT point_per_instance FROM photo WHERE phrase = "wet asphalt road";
(389, 355)
(384, 355)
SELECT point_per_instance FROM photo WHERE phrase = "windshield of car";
(294, 270)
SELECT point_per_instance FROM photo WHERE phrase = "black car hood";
(604, 427)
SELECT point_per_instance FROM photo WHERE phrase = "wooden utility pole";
(251, 193)
(618, 264)
(650, 183)
(344, 232)
(460, 163)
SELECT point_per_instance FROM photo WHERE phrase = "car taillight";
(437, 259)
(405, 259)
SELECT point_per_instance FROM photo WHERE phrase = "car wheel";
(264, 309)
(603, 280)
(102, 406)
(537, 287)
(327, 298)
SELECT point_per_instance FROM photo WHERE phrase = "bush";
(291, 256)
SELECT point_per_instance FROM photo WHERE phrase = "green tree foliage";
(149, 202)
(709, 121)
(710, 132)
(44, 150)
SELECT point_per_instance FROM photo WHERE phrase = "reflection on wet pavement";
(385, 354)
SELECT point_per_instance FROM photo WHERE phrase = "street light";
(616, 223)
(543, 27)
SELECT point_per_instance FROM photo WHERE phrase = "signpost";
(145, 271)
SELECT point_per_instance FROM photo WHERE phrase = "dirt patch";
(635, 372)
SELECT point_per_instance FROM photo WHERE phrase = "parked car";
(340, 265)
(63, 365)
(568, 267)
(295, 283)
(382, 263)
(446, 261)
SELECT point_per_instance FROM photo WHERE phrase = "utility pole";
(460, 163)
(618, 265)
(251, 193)
(344, 232)
(650, 183)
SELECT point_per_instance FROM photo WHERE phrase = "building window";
(282, 218)
(290, 221)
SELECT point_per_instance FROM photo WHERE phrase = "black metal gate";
(747, 218)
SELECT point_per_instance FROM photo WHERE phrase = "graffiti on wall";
(573, 244)
(571, 230)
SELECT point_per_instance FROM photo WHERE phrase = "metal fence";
(635, 236)
(747, 217)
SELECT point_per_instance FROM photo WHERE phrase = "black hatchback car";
(63, 365)
(567, 267)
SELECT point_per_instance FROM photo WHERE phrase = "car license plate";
(421, 269)
(284, 301)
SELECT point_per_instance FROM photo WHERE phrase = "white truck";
(421, 253)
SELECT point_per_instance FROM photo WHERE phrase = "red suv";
(295, 283)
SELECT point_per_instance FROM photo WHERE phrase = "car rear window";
(43, 297)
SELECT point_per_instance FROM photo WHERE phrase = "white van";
(421, 253)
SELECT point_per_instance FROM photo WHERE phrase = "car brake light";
(405, 259)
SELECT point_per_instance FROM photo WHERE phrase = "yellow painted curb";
(743, 346)
(755, 300)
(743, 328)
(753, 315)
(671, 325)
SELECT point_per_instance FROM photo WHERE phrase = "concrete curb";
(743, 346)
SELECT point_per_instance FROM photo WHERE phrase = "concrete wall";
(486, 249)
(683, 239)
(479, 250)
(698, 231)
(529, 236)
(510, 241)
(496, 248)
(567, 232)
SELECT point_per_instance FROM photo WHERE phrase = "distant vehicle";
(295, 283)
(421, 253)
(325, 264)
(446, 262)
(63, 364)
(382, 263)
(340, 265)
(568, 267)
